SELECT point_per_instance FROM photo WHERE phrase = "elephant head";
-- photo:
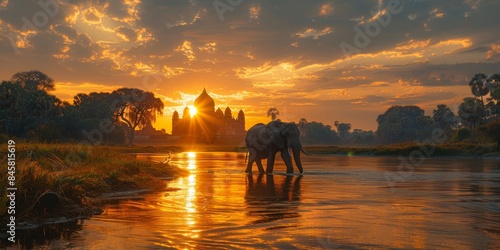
(286, 138)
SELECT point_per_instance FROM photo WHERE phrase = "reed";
(98, 170)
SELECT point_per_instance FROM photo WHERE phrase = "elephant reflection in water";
(272, 201)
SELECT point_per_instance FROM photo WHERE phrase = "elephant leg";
(270, 163)
(249, 167)
(259, 165)
(252, 156)
(251, 159)
(288, 160)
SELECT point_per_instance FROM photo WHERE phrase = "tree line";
(477, 119)
(28, 110)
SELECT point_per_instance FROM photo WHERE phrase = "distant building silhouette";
(208, 125)
(148, 133)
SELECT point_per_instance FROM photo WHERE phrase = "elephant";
(264, 141)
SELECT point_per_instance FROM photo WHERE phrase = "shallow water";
(340, 202)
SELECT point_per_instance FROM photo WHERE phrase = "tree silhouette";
(136, 108)
(493, 105)
(273, 112)
(471, 112)
(33, 80)
(343, 129)
(492, 130)
(403, 123)
(478, 85)
(444, 118)
(336, 123)
(27, 112)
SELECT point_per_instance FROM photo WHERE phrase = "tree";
(33, 80)
(273, 112)
(89, 112)
(316, 133)
(493, 104)
(136, 108)
(302, 126)
(343, 129)
(39, 104)
(478, 86)
(359, 136)
(402, 124)
(461, 134)
(471, 112)
(29, 113)
(444, 118)
(491, 130)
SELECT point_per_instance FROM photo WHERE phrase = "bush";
(462, 134)
(491, 131)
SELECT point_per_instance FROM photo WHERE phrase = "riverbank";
(428, 150)
(70, 180)
(474, 150)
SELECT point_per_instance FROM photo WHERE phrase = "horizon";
(324, 61)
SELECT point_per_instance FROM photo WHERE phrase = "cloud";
(310, 32)
(369, 100)
(326, 9)
(187, 50)
(493, 52)
(91, 15)
(283, 52)
(208, 48)
(127, 34)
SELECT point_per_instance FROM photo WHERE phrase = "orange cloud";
(92, 16)
(412, 44)
(464, 43)
(494, 49)
(310, 32)
(187, 50)
(326, 9)
(208, 48)
(352, 78)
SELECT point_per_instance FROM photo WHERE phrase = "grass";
(79, 175)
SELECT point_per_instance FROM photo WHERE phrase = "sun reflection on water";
(190, 198)
(191, 160)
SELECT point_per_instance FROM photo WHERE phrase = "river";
(340, 202)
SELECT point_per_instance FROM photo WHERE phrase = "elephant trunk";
(296, 157)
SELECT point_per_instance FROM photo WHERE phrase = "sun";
(192, 110)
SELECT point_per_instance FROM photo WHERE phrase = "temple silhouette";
(208, 125)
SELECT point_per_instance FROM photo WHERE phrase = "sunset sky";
(256, 54)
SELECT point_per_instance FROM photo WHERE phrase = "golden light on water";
(190, 197)
(191, 161)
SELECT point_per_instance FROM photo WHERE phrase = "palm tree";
(493, 102)
(273, 112)
(478, 86)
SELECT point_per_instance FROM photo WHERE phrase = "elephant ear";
(277, 135)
